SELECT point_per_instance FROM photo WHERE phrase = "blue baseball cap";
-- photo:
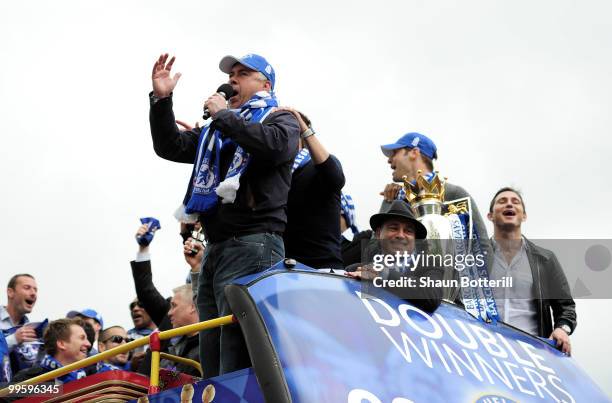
(413, 140)
(252, 61)
(88, 313)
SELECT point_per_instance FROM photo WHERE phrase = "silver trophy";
(426, 197)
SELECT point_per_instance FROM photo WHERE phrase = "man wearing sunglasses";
(143, 324)
(112, 337)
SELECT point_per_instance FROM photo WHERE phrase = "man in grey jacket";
(415, 152)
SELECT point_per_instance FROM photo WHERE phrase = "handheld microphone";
(226, 91)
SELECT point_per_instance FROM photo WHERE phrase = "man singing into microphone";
(238, 188)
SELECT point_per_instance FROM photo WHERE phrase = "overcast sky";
(512, 92)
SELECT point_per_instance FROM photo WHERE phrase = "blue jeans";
(224, 350)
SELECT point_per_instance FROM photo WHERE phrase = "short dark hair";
(104, 333)
(59, 330)
(507, 189)
(13, 281)
(134, 303)
(427, 161)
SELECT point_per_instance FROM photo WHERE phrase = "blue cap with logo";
(252, 61)
(88, 313)
(412, 140)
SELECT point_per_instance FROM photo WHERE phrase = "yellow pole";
(154, 379)
(182, 360)
(197, 327)
(155, 346)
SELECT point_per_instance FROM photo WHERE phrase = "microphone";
(226, 91)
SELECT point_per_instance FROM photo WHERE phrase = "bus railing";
(154, 341)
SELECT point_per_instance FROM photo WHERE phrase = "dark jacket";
(186, 347)
(152, 301)
(552, 291)
(351, 250)
(261, 200)
(312, 235)
(427, 298)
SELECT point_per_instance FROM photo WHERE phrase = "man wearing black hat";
(397, 232)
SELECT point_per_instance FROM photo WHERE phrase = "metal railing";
(154, 340)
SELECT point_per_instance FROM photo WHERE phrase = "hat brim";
(377, 220)
(72, 314)
(388, 149)
(229, 61)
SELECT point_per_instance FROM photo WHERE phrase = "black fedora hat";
(399, 209)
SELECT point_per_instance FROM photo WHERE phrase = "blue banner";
(335, 346)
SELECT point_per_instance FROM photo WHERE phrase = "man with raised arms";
(238, 188)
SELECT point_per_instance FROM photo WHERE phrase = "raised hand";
(391, 191)
(142, 230)
(303, 125)
(163, 83)
(193, 252)
(25, 333)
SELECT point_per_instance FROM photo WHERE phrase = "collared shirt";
(6, 323)
(137, 334)
(516, 304)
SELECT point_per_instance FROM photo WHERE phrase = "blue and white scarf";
(106, 366)
(205, 187)
(401, 195)
(348, 211)
(478, 301)
(51, 363)
(301, 159)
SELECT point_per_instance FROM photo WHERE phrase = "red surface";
(95, 380)
(154, 341)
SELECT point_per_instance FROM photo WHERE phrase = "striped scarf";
(348, 211)
(302, 158)
(205, 186)
(51, 363)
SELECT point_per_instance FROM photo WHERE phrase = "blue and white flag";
(5, 362)
(154, 225)
(26, 354)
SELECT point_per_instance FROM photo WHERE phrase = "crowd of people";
(264, 188)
